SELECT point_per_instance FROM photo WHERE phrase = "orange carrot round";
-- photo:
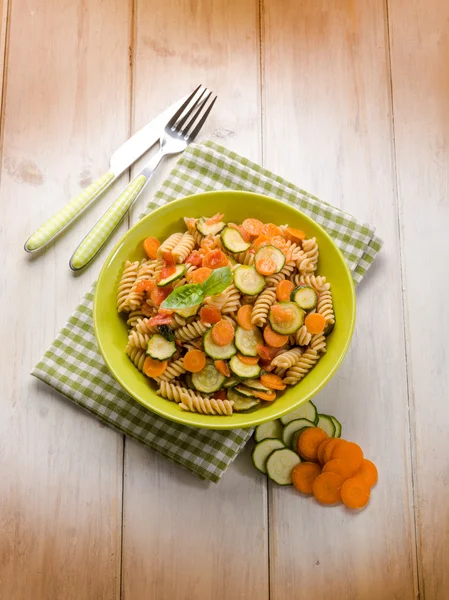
(195, 361)
(303, 476)
(351, 453)
(355, 493)
(215, 259)
(271, 230)
(330, 447)
(261, 240)
(210, 314)
(223, 333)
(267, 396)
(266, 265)
(308, 442)
(223, 367)
(295, 234)
(200, 275)
(248, 360)
(367, 472)
(276, 340)
(272, 381)
(327, 488)
(244, 317)
(154, 368)
(280, 314)
(337, 465)
(284, 289)
(252, 226)
(150, 245)
(215, 219)
(315, 323)
(321, 448)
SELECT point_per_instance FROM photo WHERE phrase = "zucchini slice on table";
(270, 429)
(179, 272)
(242, 370)
(217, 352)
(248, 280)
(305, 411)
(292, 428)
(337, 426)
(242, 403)
(247, 341)
(272, 253)
(208, 380)
(326, 423)
(187, 312)
(305, 297)
(233, 241)
(211, 229)
(263, 450)
(280, 465)
(160, 348)
(295, 321)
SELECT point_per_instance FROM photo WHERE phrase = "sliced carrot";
(266, 265)
(220, 395)
(215, 259)
(295, 234)
(274, 382)
(195, 258)
(308, 442)
(223, 367)
(200, 275)
(215, 219)
(267, 396)
(260, 241)
(248, 360)
(210, 314)
(159, 294)
(154, 368)
(337, 465)
(146, 285)
(321, 448)
(271, 230)
(167, 271)
(351, 453)
(327, 488)
(315, 323)
(244, 314)
(355, 493)
(252, 226)
(168, 257)
(245, 235)
(367, 472)
(281, 314)
(195, 361)
(150, 245)
(223, 333)
(274, 339)
(284, 289)
(330, 447)
(303, 476)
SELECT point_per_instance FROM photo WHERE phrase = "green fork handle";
(59, 221)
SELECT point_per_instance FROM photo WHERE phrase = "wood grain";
(66, 108)
(420, 82)
(182, 538)
(327, 106)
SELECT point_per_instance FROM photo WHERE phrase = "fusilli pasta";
(262, 306)
(302, 367)
(206, 406)
(127, 280)
(183, 248)
(169, 244)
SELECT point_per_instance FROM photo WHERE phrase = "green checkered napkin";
(73, 364)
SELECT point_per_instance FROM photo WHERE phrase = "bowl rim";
(225, 425)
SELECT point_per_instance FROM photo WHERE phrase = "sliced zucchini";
(305, 297)
(231, 382)
(232, 240)
(280, 465)
(179, 272)
(256, 385)
(293, 427)
(262, 451)
(326, 424)
(217, 352)
(247, 341)
(159, 348)
(187, 312)
(337, 424)
(247, 392)
(295, 439)
(293, 324)
(248, 280)
(242, 370)
(328, 329)
(208, 380)
(242, 403)
(272, 253)
(305, 411)
(166, 332)
(211, 229)
(270, 429)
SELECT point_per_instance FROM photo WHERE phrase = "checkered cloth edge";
(73, 364)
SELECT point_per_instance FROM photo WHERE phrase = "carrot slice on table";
(159, 294)
(339, 466)
(303, 476)
(367, 472)
(271, 230)
(315, 323)
(295, 234)
(195, 361)
(210, 314)
(215, 219)
(223, 367)
(244, 317)
(223, 333)
(150, 246)
(261, 240)
(248, 360)
(284, 289)
(252, 226)
(327, 488)
(355, 493)
(276, 340)
(308, 442)
(200, 275)
(154, 368)
(321, 448)
(268, 396)
(272, 381)
(266, 265)
(146, 285)
(351, 453)
(328, 451)
(215, 259)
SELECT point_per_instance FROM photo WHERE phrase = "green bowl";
(111, 330)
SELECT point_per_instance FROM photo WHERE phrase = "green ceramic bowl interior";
(111, 330)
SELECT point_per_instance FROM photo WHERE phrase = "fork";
(179, 132)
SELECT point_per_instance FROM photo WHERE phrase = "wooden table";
(347, 99)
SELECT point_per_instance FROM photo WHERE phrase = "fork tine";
(179, 112)
(185, 131)
(198, 103)
(197, 129)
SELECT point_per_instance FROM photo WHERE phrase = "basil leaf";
(217, 282)
(184, 296)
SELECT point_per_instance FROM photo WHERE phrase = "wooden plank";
(3, 41)
(182, 538)
(327, 106)
(420, 83)
(66, 109)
